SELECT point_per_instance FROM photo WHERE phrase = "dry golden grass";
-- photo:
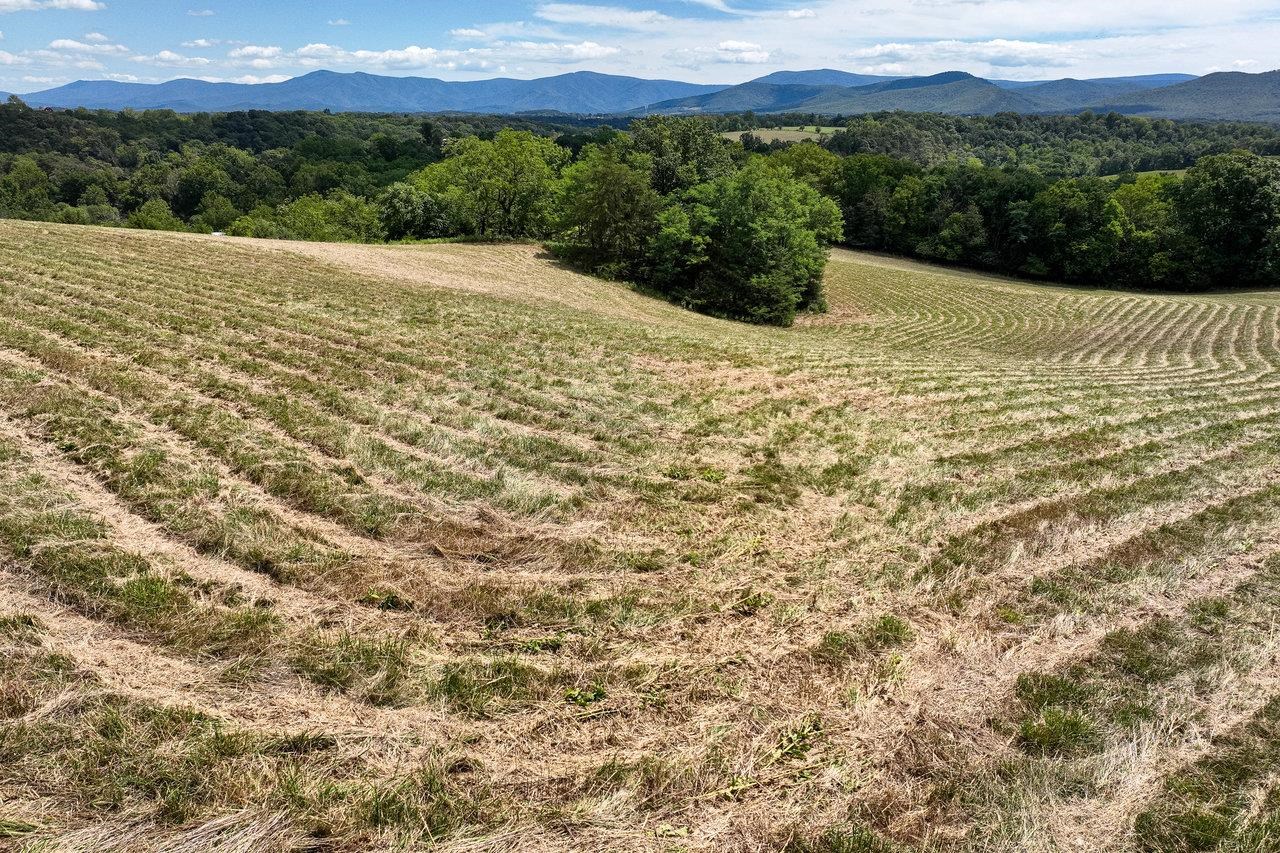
(448, 546)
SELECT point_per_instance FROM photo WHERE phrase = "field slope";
(350, 547)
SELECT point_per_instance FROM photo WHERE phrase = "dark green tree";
(684, 151)
(1228, 212)
(750, 246)
(408, 211)
(609, 210)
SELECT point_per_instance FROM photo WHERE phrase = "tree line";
(731, 228)
(1065, 146)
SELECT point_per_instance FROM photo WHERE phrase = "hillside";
(448, 547)
(1065, 95)
(1225, 95)
(1138, 83)
(952, 93)
(760, 97)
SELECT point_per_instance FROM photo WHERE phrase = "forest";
(732, 228)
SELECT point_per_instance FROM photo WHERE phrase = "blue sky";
(50, 42)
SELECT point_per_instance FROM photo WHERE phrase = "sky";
(46, 43)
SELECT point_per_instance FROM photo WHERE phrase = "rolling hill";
(1070, 94)
(1136, 84)
(953, 93)
(760, 97)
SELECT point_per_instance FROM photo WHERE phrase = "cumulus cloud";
(613, 17)
(477, 58)
(172, 59)
(255, 51)
(1000, 53)
(247, 78)
(730, 52)
(73, 46)
(202, 43)
(36, 5)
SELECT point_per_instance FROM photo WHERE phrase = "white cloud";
(202, 43)
(256, 51)
(247, 78)
(718, 5)
(468, 33)
(487, 58)
(339, 22)
(552, 52)
(73, 46)
(171, 59)
(96, 38)
(999, 53)
(201, 13)
(612, 17)
(729, 52)
(37, 5)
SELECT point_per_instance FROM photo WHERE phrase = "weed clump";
(837, 648)
(1059, 733)
(474, 686)
(377, 669)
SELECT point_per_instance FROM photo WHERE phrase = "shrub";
(155, 215)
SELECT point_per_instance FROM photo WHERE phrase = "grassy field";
(340, 547)
(787, 134)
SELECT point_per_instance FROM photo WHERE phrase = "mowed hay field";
(345, 548)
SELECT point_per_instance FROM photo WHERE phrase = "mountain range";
(1219, 96)
(581, 92)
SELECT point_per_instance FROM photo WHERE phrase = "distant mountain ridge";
(1222, 96)
(580, 92)
(1219, 96)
